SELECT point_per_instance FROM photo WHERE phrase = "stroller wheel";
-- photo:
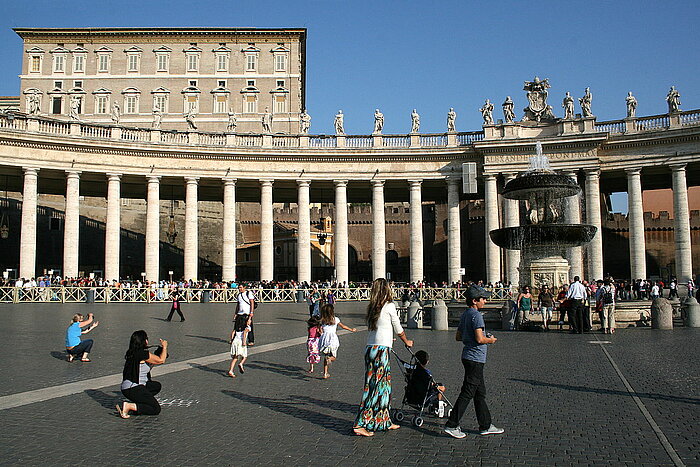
(399, 416)
(418, 421)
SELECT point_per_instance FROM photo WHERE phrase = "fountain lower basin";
(543, 235)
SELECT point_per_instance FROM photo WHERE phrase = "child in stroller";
(422, 392)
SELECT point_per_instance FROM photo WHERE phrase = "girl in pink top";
(315, 332)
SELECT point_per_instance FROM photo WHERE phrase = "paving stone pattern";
(556, 395)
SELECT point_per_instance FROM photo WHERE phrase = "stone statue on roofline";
(378, 122)
(585, 103)
(508, 110)
(674, 100)
(538, 110)
(34, 103)
(487, 112)
(568, 105)
(304, 122)
(74, 108)
(339, 123)
(267, 121)
(631, 105)
(415, 121)
(451, 117)
(157, 118)
(189, 118)
(116, 113)
(232, 121)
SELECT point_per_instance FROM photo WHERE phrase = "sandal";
(71, 357)
(86, 360)
(230, 373)
(394, 426)
(240, 368)
(122, 414)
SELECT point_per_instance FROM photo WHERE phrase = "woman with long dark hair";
(137, 385)
(382, 321)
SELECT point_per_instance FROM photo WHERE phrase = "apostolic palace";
(188, 152)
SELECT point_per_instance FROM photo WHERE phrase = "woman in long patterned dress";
(383, 322)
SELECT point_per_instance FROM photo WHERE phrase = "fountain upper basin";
(543, 235)
(555, 185)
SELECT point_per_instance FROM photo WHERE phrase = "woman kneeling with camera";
(137, 385)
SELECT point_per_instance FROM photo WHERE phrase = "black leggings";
(173, 309)
(144, 397)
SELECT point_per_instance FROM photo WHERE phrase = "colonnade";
(591, 198)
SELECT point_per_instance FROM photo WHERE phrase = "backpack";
(255, 302)
(608, 296)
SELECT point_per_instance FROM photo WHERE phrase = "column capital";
(30, 170)
(73, 173)
(229, 181)
(153, 178)
(593, 172)
(340, 183)
(571, 173)
(266, 182)
(677, 167)
(490, 177)
(377, 183)
(633, 171)
(191, 180)
(113, 177)
(304, 183)
(508, 176)
(415, 184)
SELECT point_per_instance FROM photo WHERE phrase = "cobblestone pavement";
(558, 396)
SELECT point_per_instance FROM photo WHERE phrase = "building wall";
(174, 83)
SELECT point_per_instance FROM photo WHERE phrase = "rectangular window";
(222, 62)
(251, 104)
(251, 83)
(220, 104)
(193, 62)
(78, 84)
(280, 104)
(35, 66)
(101, 104)
(280, 83)
(280, 62)
(131, 104)
(58, 84)
(251, 62)
(79, 63)
(103, 63)
(133, 64)
(221, 83)
(162, 62)
(160, 102)
(56, 105)
(193, 83)
(58, 63)
(192, 103)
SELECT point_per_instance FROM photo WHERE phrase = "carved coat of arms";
(538, 110)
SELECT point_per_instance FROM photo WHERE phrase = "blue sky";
(431, 55)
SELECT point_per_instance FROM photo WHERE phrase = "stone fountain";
(543, 236)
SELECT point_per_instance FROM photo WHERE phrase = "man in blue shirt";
(75, 347)
(472, 332)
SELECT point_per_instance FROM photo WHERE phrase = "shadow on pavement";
(291, 371)
(297, 410)
(108, 400)
(217, 371)
(647, 395)
(59, 355)
(209, 338)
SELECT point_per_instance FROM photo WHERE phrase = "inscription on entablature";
(523, 158)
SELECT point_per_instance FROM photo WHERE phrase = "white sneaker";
(492, 430)
(455, 432)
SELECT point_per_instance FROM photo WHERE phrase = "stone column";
(378, 230)
(493, 252)
(191, 228)
(112, 228)
(681, 224)
(27, 240)
(635, 218)
(153, 228)
(341, 232)
(572, 215)
(416, 273)
(595, 248)
(228, 250)
(304, 232)
(71, 225)
(267, 253)
(454, 243)
(511, 218)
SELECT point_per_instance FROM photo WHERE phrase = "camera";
(159, 351)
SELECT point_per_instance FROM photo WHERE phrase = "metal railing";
(60, 294)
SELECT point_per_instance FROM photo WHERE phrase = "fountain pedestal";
(537, 271)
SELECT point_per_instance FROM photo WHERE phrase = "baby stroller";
(413, 393)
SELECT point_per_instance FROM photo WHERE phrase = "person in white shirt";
(246, 306)
(577, 294)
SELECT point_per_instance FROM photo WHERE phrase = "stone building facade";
(208, 71)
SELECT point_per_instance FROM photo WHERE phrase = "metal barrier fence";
(159, 295)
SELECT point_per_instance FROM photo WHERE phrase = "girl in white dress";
(329, 343)
(239, 347)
